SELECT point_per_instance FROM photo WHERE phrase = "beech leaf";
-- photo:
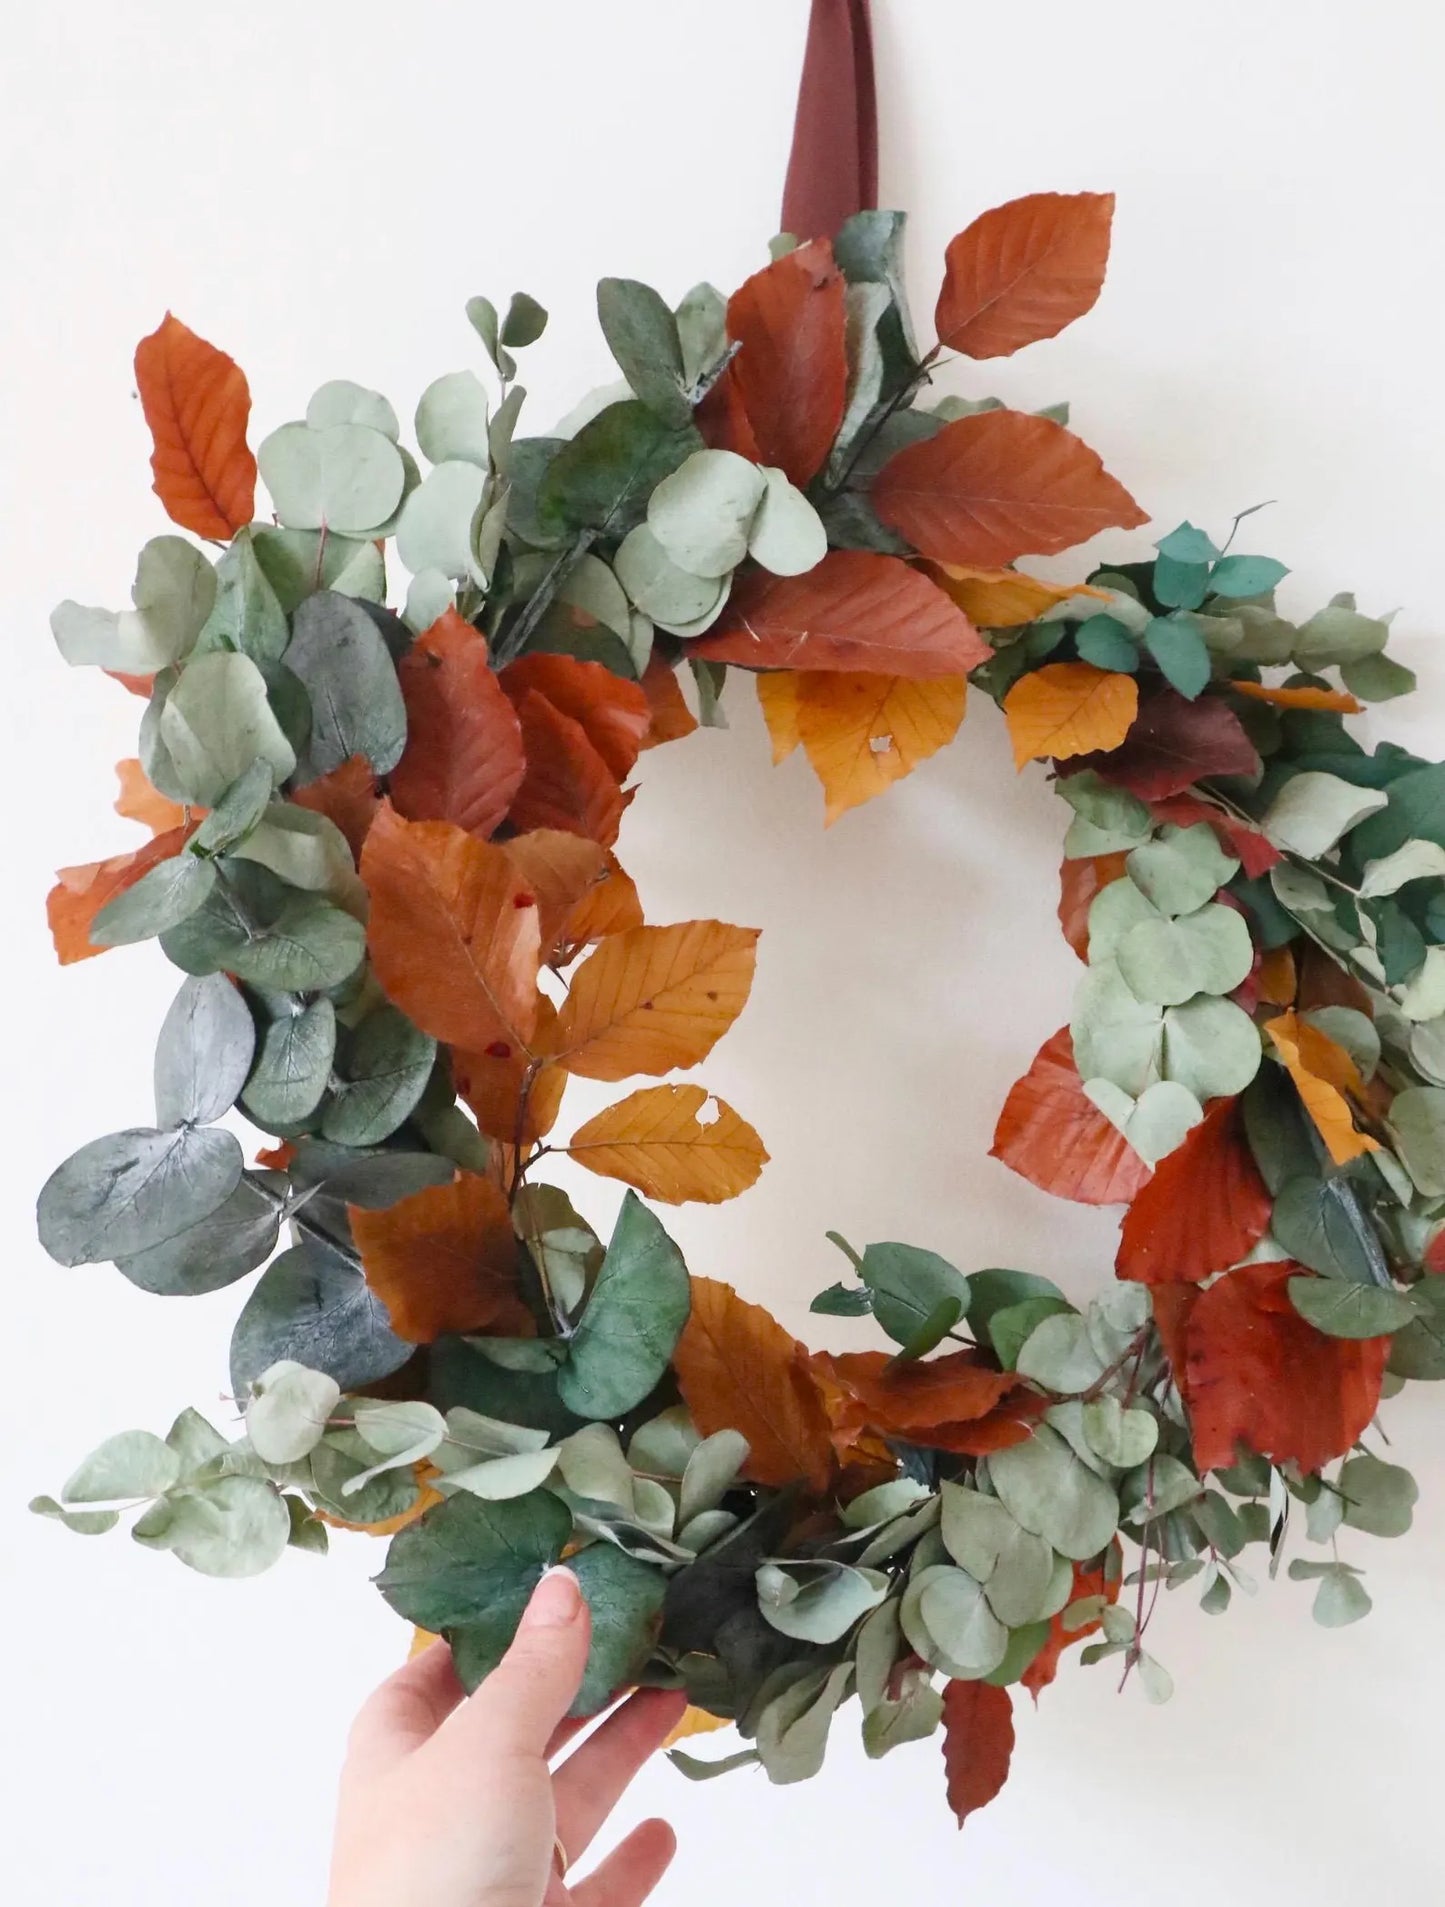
(197, 405)
(1052, 1134)
(978, 1740)
(463, 760)
(1069, 708)
(444, 1260)
(790, 373)
(1205, 1208)
(655, 1141)
(1023, 271)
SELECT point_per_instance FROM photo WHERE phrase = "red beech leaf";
(1256, 853)
(349, 795)
(997, 486)
(1204, 1209)
(463, 761)
(912, 1398)
(1255, 1373)
(671, 717)
(79, 893)
(1173, 744)
(1023, 271)
(855, 610)
(567, 784)
(1051, 1134)
(978, 1744)
(791, 373)
(197, 404)
(722, 418)
(1079, 881)
(614, 714)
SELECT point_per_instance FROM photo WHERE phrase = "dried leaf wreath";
(383, 854)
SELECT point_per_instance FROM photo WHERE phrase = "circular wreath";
(383, 856)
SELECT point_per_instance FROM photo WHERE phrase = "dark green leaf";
(908, 1285)
(843, 1301)
(469, 1567)
(375, 1180)
(1246, 576)
(160, 900)
(632, 1320)
(292, 1066)
(524, 323)
(237, 1237)
(1177, 646)
(266, 933)
(602, 479)
(385, 1065)
(135, 1189)
(1011, 1326)
(642, 335)
(1321, 1223)
(338, 655)
(625, 1596)
(1180, 585)
(992, 1290)
(1419, 1349)
(238, 810)
(313, 1306)
(1349, 1310)
(1107, 644)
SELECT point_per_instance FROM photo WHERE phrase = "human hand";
(448, 1800)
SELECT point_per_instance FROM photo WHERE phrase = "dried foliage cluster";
(383, 853)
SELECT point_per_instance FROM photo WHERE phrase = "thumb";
(531, 1689)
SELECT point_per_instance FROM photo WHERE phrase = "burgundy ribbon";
(833, 170)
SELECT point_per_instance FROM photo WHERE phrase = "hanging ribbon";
(833, 170)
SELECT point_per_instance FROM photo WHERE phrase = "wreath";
(383, 856)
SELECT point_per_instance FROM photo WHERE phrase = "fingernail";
(556, 1601)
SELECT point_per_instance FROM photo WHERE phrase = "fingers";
(589, 1784)
(631, 1870)
(406, 1710)
(517, 1709)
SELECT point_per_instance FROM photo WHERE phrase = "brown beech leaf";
(1324, 982)
(864, 732)
(1205, 1208)
(615, 715)
(978, 1743)
(854, 610)
(1255, 1373)
(671, 718)
(1174, 743)
(1327, 1080)
(738, 1369)
(1257, 855)
(1068, 708)
(1023, 271)
(610, 906)
(999, 485)
(791, 372)
(1052, 1134)
(514, 1099)
(139, 801)
(653, 998)
(444, 1260)
(657, 1141)
(567, 784)
(197, 404)
(349, 796)
(1004, 598)
(954, 1402)
(463, 761)
(722, 419)
(1277, 981)
(453, 932)
(560, 869)
(1080, 880)
(79, 893)
(1088, 1581)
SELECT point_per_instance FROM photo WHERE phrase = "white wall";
(319, 187)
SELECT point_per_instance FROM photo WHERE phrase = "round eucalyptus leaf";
(664, 1444)
(1181, 868)
(247, 614)
(174, 592)
(238, 810)
(135, 1189)
(287, 1411)
(500, 1479)
(1116, 1035)
(1343, 1310)
(1050, 1492)
(630, 1325)
(385, 1066)
(308, 851)
(452, 421)
(1059, 1354)
(232, 1527)
(344, 477)
(1114, 910)
(161, 899)
(1379, 1497)
(340, 657)
(204, 1052)
(434, 531)
(1155, 1123)
(298, 562)
(593, 588)
(1210, 1046)
(662, 590)
(787, 534)
(313, 1305)
(1312, 810)
(1123, 1438)
(826, 1599)
(237, 1237)
(946, 1617)
(593, 1466)
(603, 478)
(216, 721)
(1167, 962)
(292, 1066)
(342, 402)
(269, 936)
(711, 1471)
(430, 594)
(374, 1180)
(702, 514)
(82, 1522)
(1417, 1124)
(135, 1463)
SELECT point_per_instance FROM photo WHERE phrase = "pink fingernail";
(556, 1601)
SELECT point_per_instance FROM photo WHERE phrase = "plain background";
(319, 188)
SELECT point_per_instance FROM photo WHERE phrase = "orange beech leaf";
(738, 1369)
(197, 404)
(444, 1260)
(615, 715)
(1068, 708)
(1023, 271)
(978, 1744)
(139, 801)
(560, 869)
(1278, 979)
(671, 718)
(1205, 1208)
(696, 1721)
(1255, 1373)
(79, 893)
(778, 693)
(864, 732)
(567, 784)
(1174, 743)
(141, 685)
(1004, 598)
(453, 932)
(427, 1498)
(278, 1157)
(1255, 852)
(854, 610)
(952, 1402)
(655, 1140)
(610, 906)
(1327, 1080)
(349, 796)
(1080, 880)
(492, 1083)
(1334, 701)
(1093, 1581)
(1053, 1135)
(791, 373)
(653, 998)
(998, 485)
(463, 761)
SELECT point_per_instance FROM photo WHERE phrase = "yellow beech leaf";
(654, 998)
(1069, 708)
(864, 732)
(421, 1641)
(1004, 598)
(390, 1525)
(696, 1721)
(778, 699)
(1324, 1074)
(656, 1140)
